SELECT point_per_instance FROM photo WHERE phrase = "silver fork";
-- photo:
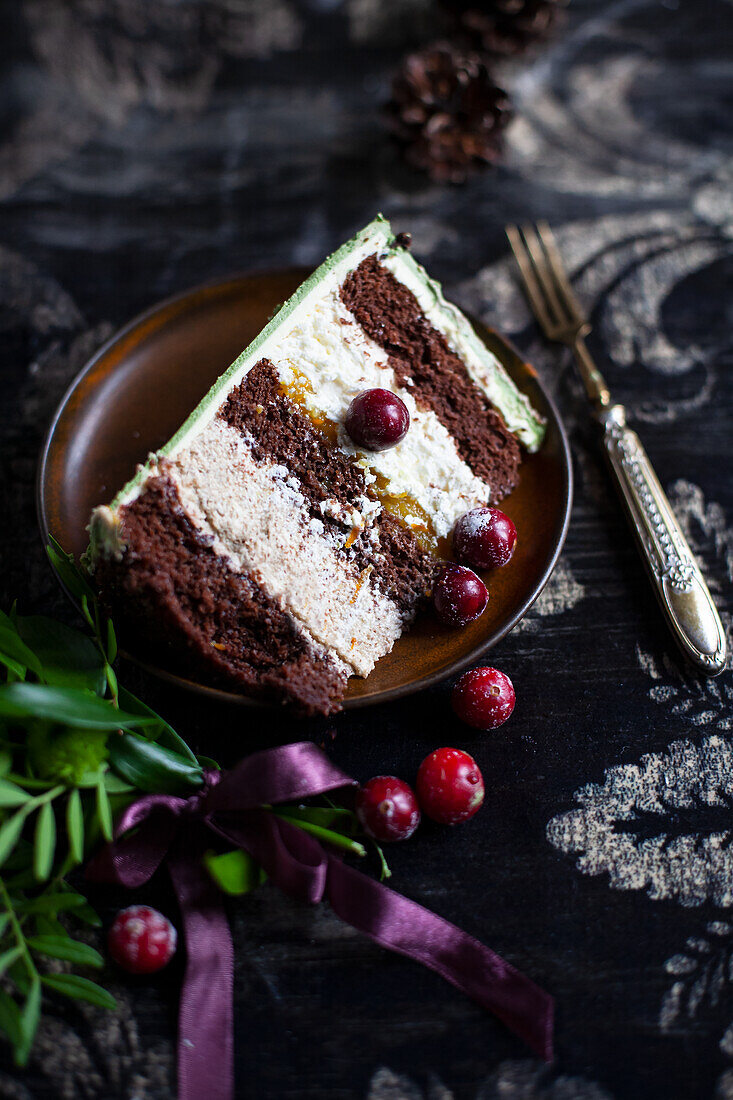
(678, 583)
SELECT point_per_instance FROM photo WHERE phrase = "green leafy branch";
(76, 748)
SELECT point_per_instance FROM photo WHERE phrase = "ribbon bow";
(175, 830)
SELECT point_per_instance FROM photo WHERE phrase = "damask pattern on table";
(148, 146)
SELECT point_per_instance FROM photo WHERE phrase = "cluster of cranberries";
(449, 786)
(483, 538)
(449, 789)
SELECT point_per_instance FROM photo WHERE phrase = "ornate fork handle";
(678, 583)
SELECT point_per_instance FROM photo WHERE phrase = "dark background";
(148, 146)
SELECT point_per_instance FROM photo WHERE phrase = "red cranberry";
(459, 595)
(484, 698)
(387, 808)
(377, 420)
(141, 940)
(484, 538)
(450, 786)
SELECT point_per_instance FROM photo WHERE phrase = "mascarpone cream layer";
(258, 520)
(331, 350)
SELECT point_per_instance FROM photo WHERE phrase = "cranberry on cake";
(264, 548)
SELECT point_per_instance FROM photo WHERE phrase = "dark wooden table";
(150, 145)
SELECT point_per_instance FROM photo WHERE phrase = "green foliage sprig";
(76, 748)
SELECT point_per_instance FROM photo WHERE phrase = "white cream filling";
(259, 521)
(331, 350)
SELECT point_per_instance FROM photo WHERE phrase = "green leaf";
(337, 840)
(15, 667)
(87, 915)
(208, 762)
(6, 761)
(151, 767)
(110, 677)
(9, 957)
(114, 785)
(44, 845)
(235, 873)
(4, 922)
(48, 926)
(66, 705)
(166, 736)
(111, 641)
(68, 657)
(75, 826)
(10, 834)
(18, 974)
(89, 618)
(31, 782)
(12, 647)
(21, 857)
(29, 1018)
(12, 795)
(10, 1019)
(80, 989)
(24, 880)
(104, 811)
(328, 817)
(53, 903)
(69, 572)
(88, 779)
(64, 947)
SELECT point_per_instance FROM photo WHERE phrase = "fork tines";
(548, 287)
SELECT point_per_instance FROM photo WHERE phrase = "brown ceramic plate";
(136, 391)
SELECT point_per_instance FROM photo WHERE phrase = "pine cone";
(504, 28)
(447, 112)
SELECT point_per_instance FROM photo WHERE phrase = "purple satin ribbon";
(164, 827)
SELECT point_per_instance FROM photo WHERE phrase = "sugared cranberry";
(459, 595)
(377, 420)
(141, 940)
(450, 787)
(484, 538)
(484, 698)
(387, 808)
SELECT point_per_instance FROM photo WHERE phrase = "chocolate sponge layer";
(437, 378)
(282, 433)
(194, 615)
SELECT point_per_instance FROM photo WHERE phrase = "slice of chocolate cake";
(261, 549)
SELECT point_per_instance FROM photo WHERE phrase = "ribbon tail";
(205, 1018)
(409, 929)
